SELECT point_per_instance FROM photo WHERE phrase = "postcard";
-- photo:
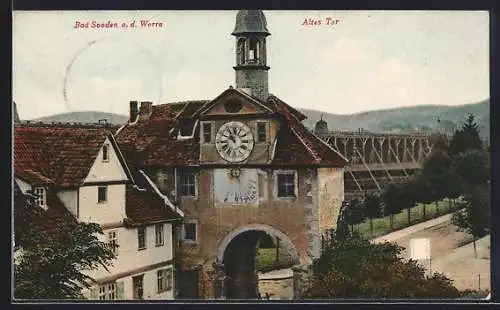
(251, 155)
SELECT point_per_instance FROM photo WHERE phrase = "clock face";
(236, 186)
(234, 141)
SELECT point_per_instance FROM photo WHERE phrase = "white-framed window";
(159, 234)
(164, 280)
(207, 132)
(141, 238)
(286, 182)
(187, 183)
(102, 194)
(190, 231)
(261, 131)
(113, 240)
(105, 153)
(107, 291)
(41, 197)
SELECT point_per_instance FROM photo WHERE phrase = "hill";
(84, 117)
(407, 119)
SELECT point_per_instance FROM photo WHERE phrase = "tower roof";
(250, 21)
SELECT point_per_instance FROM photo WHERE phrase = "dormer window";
(105, 153)
(41, 197)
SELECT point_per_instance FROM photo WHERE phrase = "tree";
(467, 138)
(392, 197)
(472, 167)
(435, 171)
(56, 252)
(355, 267)
(409, 196)
(475, 217)
(355, 213)
(371, 208)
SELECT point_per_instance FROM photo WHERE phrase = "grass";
(266, 259)
(381, 226)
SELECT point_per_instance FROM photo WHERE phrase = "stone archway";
(219, 254)
(236, 257)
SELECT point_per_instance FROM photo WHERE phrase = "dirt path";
(452, 252)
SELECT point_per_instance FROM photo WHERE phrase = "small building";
(79, 171)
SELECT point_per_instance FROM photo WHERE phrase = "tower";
(251, 68)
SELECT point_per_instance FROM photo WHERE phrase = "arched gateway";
(238, 166)
(235, 259)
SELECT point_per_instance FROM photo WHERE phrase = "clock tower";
(251, 63)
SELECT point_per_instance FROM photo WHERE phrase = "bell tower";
(251, 67)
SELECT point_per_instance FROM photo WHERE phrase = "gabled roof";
(233, 91)
(170, 136)
(61, 155)
(144, 205)
(155, 138)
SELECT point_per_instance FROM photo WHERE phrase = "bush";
(354, 267)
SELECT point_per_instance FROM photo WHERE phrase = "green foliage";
(356, 268)
(371, 208)
(467, 138)
(56, 252)
(472, 167)
(392, 197)
(354, 213)
(474, 217)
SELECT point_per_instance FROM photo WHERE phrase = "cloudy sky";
(369, 60)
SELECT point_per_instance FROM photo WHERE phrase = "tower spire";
(251, 67)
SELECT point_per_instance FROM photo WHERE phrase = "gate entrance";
(239, 253)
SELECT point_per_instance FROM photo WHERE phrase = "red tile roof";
(57, 154)
(143, 205)
(156, 136)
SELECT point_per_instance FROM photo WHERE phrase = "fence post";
(479, 281)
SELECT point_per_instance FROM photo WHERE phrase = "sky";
(367, 60)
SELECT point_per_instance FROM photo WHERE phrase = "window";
(189, 233)
(113, 241)
(261, 132)
(107, 291)
(253, 52)
(41, 197)
(207, 132)
(159, 234)
(188, 184)
(138, 286)
(102, 194)
(105, 153)
(141, 238)
(286, 185)
(165, 280)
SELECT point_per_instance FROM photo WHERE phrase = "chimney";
(146, 109)
(16, 115)
(133, 111)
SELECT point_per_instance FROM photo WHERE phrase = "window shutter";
(120, 288)
(94, 293)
